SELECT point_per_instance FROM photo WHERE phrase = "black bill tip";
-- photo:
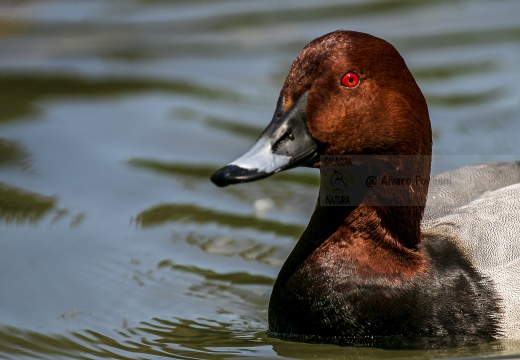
(233, 174)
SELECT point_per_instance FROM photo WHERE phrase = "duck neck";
(324, 224)
(390, 210)
(385, 224)
(368, 232)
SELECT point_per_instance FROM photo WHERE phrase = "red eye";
(350, 80)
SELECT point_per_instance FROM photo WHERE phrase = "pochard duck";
(400, 267)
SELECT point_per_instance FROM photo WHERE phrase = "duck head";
(347, 93)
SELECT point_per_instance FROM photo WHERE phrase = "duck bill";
(284, 144)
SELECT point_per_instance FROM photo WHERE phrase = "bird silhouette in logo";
(339, 181)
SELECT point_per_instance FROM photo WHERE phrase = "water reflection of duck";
(384, 275)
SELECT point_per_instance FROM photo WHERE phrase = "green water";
(113, 114)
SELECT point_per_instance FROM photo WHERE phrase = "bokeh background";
(113, 114)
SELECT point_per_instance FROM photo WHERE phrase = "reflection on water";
(153, 339)
(20, 92)
(19, 206)
(185, 339)
(12, 153)
(193, 214)
(113, 115)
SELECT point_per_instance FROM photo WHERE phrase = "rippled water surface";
(113, 114)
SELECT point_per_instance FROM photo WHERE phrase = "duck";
(416, 261)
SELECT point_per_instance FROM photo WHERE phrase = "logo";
(339, 180)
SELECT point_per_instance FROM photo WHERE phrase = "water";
(113, 116)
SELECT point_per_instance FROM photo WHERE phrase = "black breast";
(326, 301)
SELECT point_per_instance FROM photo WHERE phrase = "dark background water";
(113, 114)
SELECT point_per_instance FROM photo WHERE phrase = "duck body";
(385, 271)
(477, 209)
